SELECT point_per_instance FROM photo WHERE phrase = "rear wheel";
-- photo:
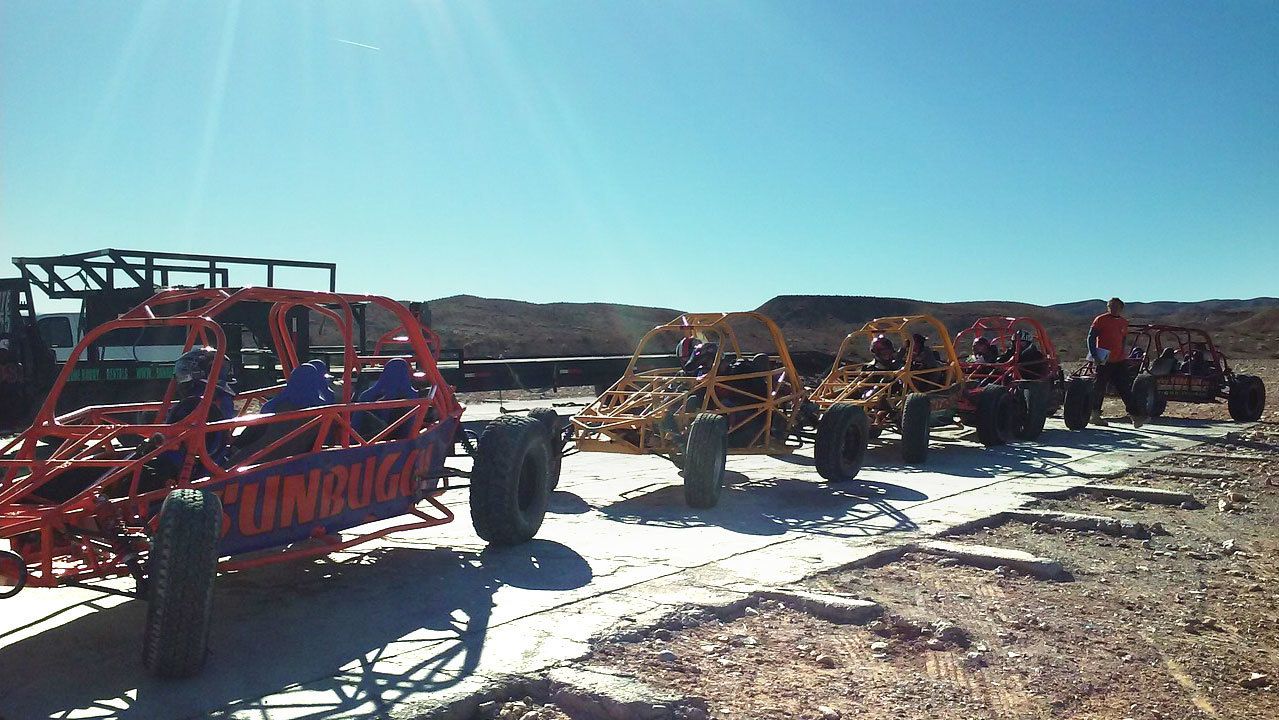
(916, 424)
(1076, 406)
(554, 425)
(842, 434)
(1247, 398)
(510, 486)
(180, 573)
(998, 415)
(1034, 396)
(705, 455)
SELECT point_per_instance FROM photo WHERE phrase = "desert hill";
(486, 327)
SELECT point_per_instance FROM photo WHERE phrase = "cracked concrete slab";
(404, 626)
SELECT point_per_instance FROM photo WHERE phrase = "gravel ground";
(1177, 626)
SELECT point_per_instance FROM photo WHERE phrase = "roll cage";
(851, 380)
(79, 493)
(1000, 330)
(1212, 382)
(648, 411)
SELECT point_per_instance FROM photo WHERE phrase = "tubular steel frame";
(882, 392)
(101, 530)
(648, 412)
(1177, 386)
(1000, 330)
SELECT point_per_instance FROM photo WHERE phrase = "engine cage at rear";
(320, 470)
(649, 411)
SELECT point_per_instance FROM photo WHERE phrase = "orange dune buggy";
(719, 400)
(915, 389)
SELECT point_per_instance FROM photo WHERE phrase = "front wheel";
(916, 426)
(842, 435)
(1145, 396)
(1034, 396)
(510, 483)
(705, 456)
(180, 572)
(1247, 398)
(1076, 406)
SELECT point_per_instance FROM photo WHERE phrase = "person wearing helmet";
(984, 351)
(1023, 351)
(191, 373)
(1196, 364)
(701, 359)
(927, 361)
(685, 348)
(885, 356)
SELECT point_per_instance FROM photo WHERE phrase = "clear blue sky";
(701, 155)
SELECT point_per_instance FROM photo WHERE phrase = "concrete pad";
(1190, 472)
(416, 621)
(1158, 496)
(835, 608)
(1080, 521)
(989, 557)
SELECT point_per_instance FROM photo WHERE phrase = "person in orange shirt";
(1106, 348)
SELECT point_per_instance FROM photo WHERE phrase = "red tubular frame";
(1001, 329)
(103, 527)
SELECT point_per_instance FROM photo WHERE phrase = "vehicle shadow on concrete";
(563, 502)
(325, 623)
(775, 506)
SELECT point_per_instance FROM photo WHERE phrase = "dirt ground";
(1177, 626)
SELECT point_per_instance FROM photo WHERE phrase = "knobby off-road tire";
(1035, 396)
(999, 412)
(1076, 406)
(1161, 406)
(1247, 398)
(916, 425)
(554, 425)
(704, 458)
(842, 434)
(510, 484)
(180, 572)
(1145, 396)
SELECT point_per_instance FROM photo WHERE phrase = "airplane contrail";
(351, 42)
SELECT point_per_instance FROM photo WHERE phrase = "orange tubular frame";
(881, 392)
(648, 412)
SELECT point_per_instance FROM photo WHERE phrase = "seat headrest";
(395, 383)
(304, 388)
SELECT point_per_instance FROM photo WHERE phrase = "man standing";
(1106, 348)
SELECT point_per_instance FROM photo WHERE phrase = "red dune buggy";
(718, 400)
(206, 478)
(1014, 357)
(1182, 364)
